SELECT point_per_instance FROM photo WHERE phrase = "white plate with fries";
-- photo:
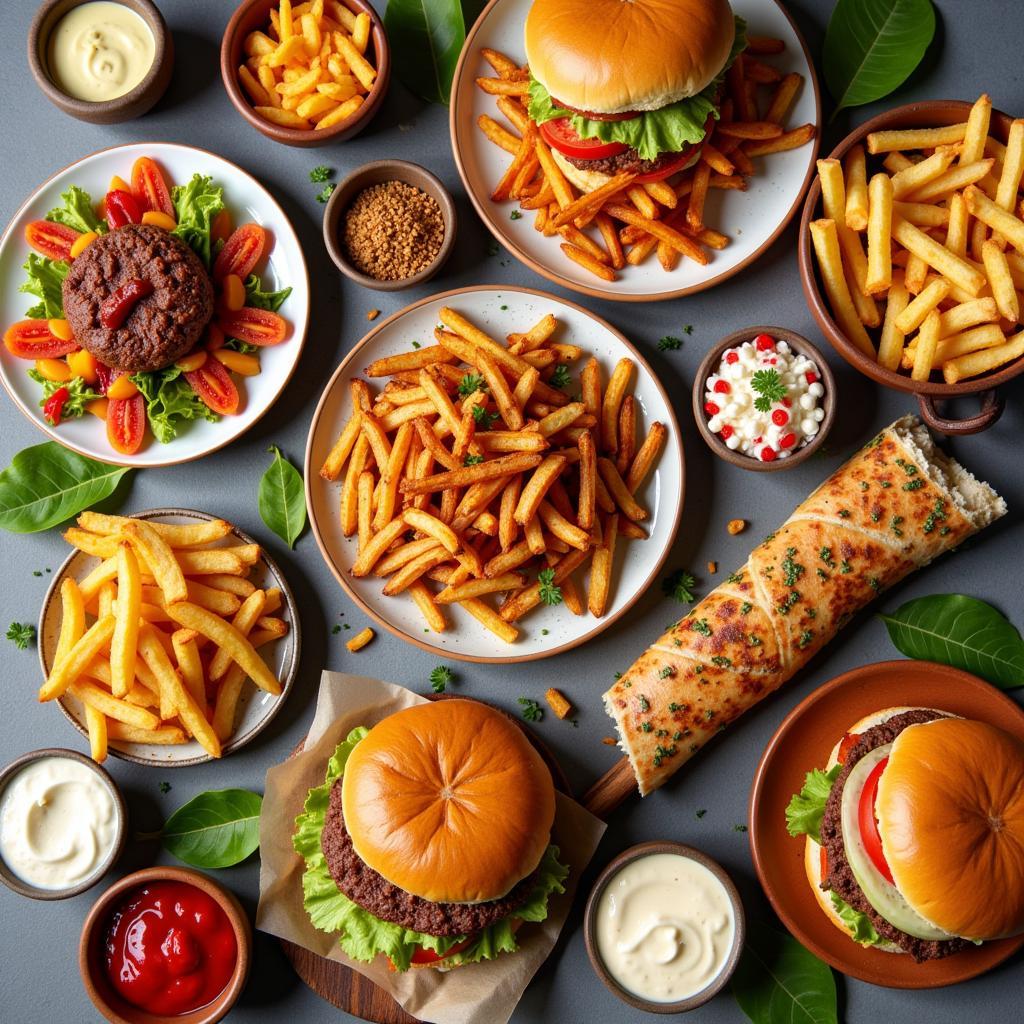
(741, 214)
(247, 200)
(181, 698)
(532, 478)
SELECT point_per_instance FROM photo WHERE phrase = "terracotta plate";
(804, 741)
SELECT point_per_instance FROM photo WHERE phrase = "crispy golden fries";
(139, 677)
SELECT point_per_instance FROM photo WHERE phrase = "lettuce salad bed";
(362, 935)
(170, 400)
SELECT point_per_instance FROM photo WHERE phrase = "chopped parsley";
(784, 606)
(701, 812)
(667, 671)
(844, 513)
(721, 661)
(549, 593)
(894, 525)
(937, 514)
(845, 568)
(335, 629)
(472, 460)
(739, 828)
(701, 626)
(483, 418)
(471, 382)
(560, 378)
(806, 639)
(164, 787)
(735, 577)
(440, 677)
(645, 704)
(326, 192)
(320, 174)
(515, 215)
(913, 485)
(669, 344)
(21, 634)
(793, 570)
(416, 344)
(532, 711)
(769, 387)
(679, 586)
(825, 554)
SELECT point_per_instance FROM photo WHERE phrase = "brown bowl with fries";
(348, 38)
(953, 330)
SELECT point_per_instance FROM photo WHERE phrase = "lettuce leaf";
(806, 808)
(861, 928)
(79, 393)
(170, 401)
(364, 936)
(45, 279)
(195, 206)
(256, 296)
(669, 129)
(77, 212)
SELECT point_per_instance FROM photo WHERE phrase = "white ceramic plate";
(255, 707)
(752, 219)
(498, 311)
(247, 200)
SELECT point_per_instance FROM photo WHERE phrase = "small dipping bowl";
(19, 885)
(798, 343)
(90, 950)
(132, 104)
(377, 173)
(590, 924)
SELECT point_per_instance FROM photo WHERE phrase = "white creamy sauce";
(665, 927)
(58, 823)
(100, 50)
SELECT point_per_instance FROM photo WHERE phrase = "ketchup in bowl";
(169, 948)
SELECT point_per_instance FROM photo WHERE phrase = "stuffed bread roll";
(896, 505)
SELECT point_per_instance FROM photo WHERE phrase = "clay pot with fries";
(920, 208)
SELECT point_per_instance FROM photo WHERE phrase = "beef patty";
(840, 876)
(164, 325)
(628, 162)
(373, 892)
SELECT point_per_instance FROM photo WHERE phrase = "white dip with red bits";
(765, 399)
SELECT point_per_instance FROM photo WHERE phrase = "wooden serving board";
(349, 990)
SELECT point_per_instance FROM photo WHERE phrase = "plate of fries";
(912, 250)
(167, 638)
(632, 242)
(494, 474)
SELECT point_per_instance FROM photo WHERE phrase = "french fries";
(507, 494)
(168, 654)
(943, 221)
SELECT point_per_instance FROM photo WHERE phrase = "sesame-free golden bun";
(449, 801)
(610, 56)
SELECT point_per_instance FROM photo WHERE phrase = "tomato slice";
(869, 823)
(561, 135)
(213, 384)
(126, 423)
(241, 252)
(823, 863)
(31, 339)
(428, 956)
(255, 326)
(848, 743)
(149, 186)
(51, 239)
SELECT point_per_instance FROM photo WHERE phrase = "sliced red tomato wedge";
(869, 823)
(149, 187)
(848, 743)
(126, 423)
(31, 339)
(51, 239)
(213, 384)
(241, 252)
(561, 135)
(255, 326)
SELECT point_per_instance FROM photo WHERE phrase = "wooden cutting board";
(350, 991)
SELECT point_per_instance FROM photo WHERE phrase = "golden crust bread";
(896, 505)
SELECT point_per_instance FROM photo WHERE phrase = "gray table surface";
(977, 48)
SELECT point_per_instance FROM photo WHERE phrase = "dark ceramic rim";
(290, 667)
(797, 342)
(590, 917)
(409, 174)
(22, 888)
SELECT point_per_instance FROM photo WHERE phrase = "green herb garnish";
(768, 384)
(549, 593)
(471, 382)
(320, 174)
(440, 677)
(532, 711)
(21, 634)
(679, 586)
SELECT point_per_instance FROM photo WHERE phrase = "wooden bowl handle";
(611, 789)
(992, 405)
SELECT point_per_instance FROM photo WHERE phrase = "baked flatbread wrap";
(896, 505)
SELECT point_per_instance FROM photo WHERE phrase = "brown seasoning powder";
(392, 231)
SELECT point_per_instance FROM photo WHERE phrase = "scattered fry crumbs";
(736, 526)
(712, 567)
(360, 640)
(608, 741)
(373, 314)
(558, 703)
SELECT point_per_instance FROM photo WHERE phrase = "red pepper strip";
(54, 405)
(121, 301)
(122, 208)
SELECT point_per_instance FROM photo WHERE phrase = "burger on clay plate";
(915, 833)
(429, 842)
(628, 85)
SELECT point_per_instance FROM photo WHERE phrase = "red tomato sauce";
(170, 948)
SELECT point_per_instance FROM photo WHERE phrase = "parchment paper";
(484, 993)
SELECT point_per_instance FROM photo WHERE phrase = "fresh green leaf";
(326, 192)
(440, 677)
(872, 46)
(471, 382)
(768, 384)
(79, 393)
(861, 928)
(282, 500)
(320, 174)
(550, 594)
(560, 377)
(170, 401)
(779, 982)
(45, 281)
(679, 586)
(669, 343)
(961, 631)
(532, 711)
(256, 296)
(195, 206)
(216, 829)
(426, 38)
(47, 484)
(77, 212)
(21, 634)
(807, 808)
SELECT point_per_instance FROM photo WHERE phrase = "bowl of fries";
(306, 74)
(152, 630)
(911, 253)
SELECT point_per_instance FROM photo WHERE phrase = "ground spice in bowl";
(392, 231)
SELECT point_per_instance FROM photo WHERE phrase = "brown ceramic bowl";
(590, 926)
(798, 343)
(804, 741)
(254, 15)
(124, 108)
(90, 950)
(914, 115)
(377, 173)
(22, 888)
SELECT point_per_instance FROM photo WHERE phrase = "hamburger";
(628, 87)
(915, 833)
(429, 842)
